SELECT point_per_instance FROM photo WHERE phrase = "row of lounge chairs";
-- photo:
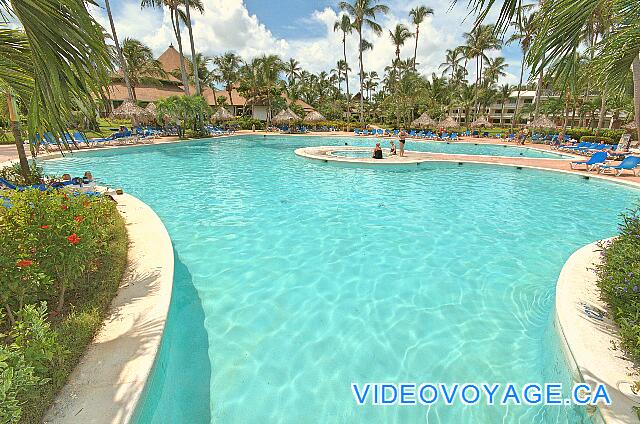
(586, 148)
(598, 161)
(219, 131)
(75, 185)
(48, 142)
(412, 134)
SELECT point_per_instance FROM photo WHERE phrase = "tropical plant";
(363, 14)
(418, 16)
(141, 67)
(121, 61)
(185, 111)
(177, 15)
(345, 25)
(399, 35)
(227, 70)
(56, 65)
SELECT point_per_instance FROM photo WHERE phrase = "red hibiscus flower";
(64, 207)
(73, 239)
(44, 227)
(24, 263)
(78, 218)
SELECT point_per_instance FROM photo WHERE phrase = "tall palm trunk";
(415, 49)
(123, 64)
(346, 74)
(635, 67)
(193, 48)
(361, 74)
(516, 114)
(176, 29)
(538, 94)
(14, 121)
(603, 107)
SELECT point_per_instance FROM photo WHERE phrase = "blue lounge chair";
(597, 159)
(6, 184)
(630, 163)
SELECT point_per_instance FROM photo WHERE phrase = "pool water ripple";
(308, 277)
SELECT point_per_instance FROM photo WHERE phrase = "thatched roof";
(630, 126)
(314, 116)
(448, 122)
(128, 109)
(285, 116)
(424, 121)
(542, 122)
(222, 114)
(481, 122)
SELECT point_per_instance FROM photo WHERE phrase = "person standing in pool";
(403, 138)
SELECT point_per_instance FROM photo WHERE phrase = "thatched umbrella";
(222, 114)
(424, 121)
(128, 109)
(481, 122)
(448, 122)
(630, 126)
(285, 116)
(151, 108)
(542, 122)
(313, 117)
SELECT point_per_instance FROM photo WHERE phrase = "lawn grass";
(86, 310)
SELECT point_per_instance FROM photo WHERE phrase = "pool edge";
(107, 384)
(587, 341)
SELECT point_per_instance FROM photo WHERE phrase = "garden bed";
(61, 261)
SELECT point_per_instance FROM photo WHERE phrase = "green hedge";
(619, 281)
(61, 260)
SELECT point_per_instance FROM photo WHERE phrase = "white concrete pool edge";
(316, 154)
(589, 341)
(108, 382)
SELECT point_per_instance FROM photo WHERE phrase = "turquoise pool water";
(464, 148)
(295, 278)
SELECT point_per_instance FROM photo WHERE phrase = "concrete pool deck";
(326, 154)
(592, 338)
(106, 385)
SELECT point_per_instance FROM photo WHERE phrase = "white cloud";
(227, 25)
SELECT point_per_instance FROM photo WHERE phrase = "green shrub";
(70, 252)
(14, 175)
(596, 139)
(246, 123)
(619, 281)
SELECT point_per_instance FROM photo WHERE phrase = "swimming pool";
(457, 147)
(296, 278)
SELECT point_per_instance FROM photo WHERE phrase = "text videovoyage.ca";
(408, 394)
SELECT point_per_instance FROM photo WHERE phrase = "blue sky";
(302, 29)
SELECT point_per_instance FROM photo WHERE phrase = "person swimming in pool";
(402, 138)
(377, 152)
(393, 149)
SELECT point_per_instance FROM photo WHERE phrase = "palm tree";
(524, 36)
(505, 92)
(292, 70)
(363, 14)
(227, 71)
(121, 60)
(452, 61)
(418, 16)
(57, 65)
(399, 36)
(269, 70)
(177, 15)
(495, 69)
(187, 8)
(141, 67)
(346, 26)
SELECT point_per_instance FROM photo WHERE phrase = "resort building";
(172, 86)
(498, 115)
